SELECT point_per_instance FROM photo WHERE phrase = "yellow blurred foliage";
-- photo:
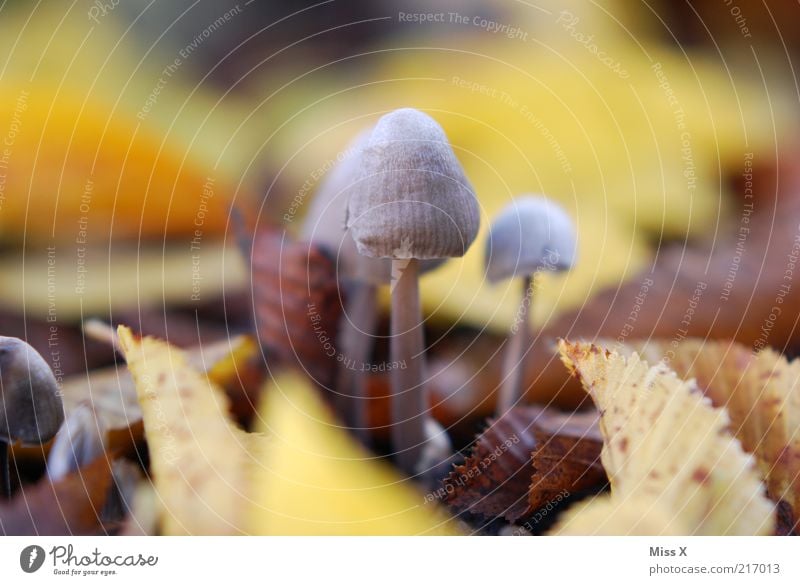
(101, 134)
(315, 480)
(633, 159)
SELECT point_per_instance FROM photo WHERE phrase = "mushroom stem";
(5, 473)
(409, 405)
(357, 328)
(514, 367)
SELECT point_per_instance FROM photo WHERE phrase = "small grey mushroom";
(360, 277)
(412, 202)
(529, 235)
(31, 411)
(79, 441)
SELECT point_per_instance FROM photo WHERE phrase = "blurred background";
(131, 128)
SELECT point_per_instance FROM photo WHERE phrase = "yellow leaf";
(315, 480)
(199, 460)
(665, 444)
(308, 477)
(760, 391)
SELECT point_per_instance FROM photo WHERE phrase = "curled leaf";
(526, 459)
(664, 444)
(761, 392)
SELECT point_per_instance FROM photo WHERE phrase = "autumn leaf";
(297, 303)
(69, 506)
(566, 460)
(125, 165)
(199, 459)
(761, 393)
(525, 460)
(315, 480)
(307, 477)
(665, 447)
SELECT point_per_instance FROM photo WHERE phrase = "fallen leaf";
(566, 460)
(666, 447)
(761, 392)
(525, 460)
(69, 506)
(309, 477)
(297, 303)
(316, 480)
(495, 478)
(199, 459)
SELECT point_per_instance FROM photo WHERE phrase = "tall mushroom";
(411, 202)
(31, 411)
(360, 277)
(529, 235)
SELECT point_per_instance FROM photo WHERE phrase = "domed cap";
(412, 199)
(31, 409)
(530, 234)
(325, 222)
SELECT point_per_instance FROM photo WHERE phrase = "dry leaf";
(525, 460)
(309, 478)
(297, 303)
(70, 506)
(566, 460)
(199, 459)
(665, 445)
(494, 479)
(761, 393)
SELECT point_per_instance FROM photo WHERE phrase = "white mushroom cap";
(531, 234)
(412, 199)
(325, 221)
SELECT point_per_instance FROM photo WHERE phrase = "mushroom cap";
(530, 234)
(412, 199)
(31, 409)
(325, 221)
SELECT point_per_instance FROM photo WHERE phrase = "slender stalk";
(514, 367)
(356, 339)
(409, 407)
(5, 472)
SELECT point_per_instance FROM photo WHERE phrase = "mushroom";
(79, 441)
(529, 235)
(360, 276)
(412, 202)
(31, 411)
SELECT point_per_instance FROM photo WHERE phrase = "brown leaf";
(297, 303)
(70, 506)
(524, 460)
(566, 459)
